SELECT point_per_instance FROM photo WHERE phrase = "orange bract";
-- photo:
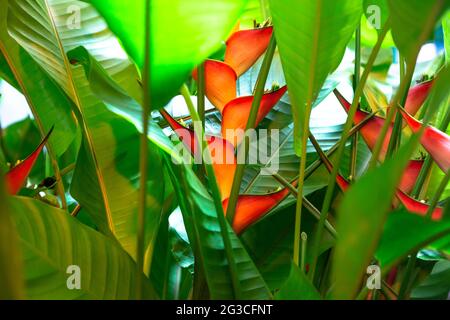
(251, 208)
(245, 47)
(222, 153)
(220, 81)
(236, 113)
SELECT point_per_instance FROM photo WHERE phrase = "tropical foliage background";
(92, 93)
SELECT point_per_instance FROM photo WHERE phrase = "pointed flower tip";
(220, 80)
(17, 176)
(436, 142)
(252, 208)
(244, 47)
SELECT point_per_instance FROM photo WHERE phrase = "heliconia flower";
(371, 130)
(220, 82)
(417, 96)
(236, 113)
(436, 142)
(244, 47)
(251, 208)
(222, 153)
(410, 204)
(410, 175)
(418, 207)
(17, 176)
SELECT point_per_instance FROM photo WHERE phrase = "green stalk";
(308, 205)
(348, 125)
(201, 93)
(251, 123)
(264, 13)
(407, 277)
(396, 135)
(304, 238)
(143, 160)
(356, 79)
(393, 106)
(426, 168)
(301, 180)
(437, 195)
(216, 197)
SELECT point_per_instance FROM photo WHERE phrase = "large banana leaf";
(412, 23)
(51, 241)
(47, 29)
(312, 40)
(204, 231)
(11, 278)
(47, 101)
(182, 34)
(106, 178)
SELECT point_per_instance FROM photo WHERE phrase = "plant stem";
(201, 93)
(251, 123)
(143, 159)
(216, 197)
(396, 135)
(301, 182)
(304, 238)
(356, 78)
(308, 205)
(404, 85)
(332, 181)
(437, 195)
(426, 168)
(264, 13)
(407, 277)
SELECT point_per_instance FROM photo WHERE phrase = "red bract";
(220, 81)
(436, 142)
(222, 153)
(245, 47)
(418, 207)
(251, 208)
(17, 176)
(371, 130)
(410, 175)
(236, 113)
(417, 96)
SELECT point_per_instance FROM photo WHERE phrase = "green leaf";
(20, 140)
(182, 35)
(312, 39)
(11, 278)
(115, 98)
(106, 177)
(6, 73)
(51, 241)
(436, 285)
(297, 287)
(405, 233)
(47, 29)
(446, 30)
(361, 219)
(376, 13)
(412, 23)
(202, 225)
(47, 101)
